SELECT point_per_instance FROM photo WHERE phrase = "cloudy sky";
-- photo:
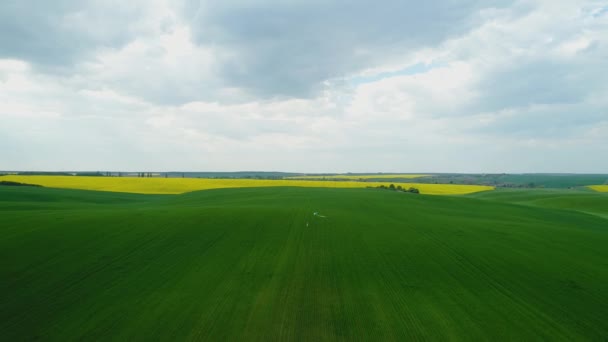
(304, 85)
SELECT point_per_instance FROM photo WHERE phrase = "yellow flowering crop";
(600, 188)
(182, 185)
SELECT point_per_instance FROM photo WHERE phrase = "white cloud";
(515, 88)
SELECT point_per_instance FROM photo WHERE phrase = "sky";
(486, 86)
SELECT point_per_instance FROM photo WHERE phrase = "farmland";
(600, 188)
(182, 185)
(530, 180)
(258, 264)
(359, 176)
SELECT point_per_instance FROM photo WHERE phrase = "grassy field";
(535, 180)
(580, 200)
(257, 264)
(358, 177)
(600, 188)
(182, 185)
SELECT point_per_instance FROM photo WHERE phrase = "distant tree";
(413, 190)
(10, 183)
(392, 186)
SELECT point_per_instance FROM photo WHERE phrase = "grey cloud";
(547, 97)
(548, 109)
(268, 49)
(54, 35)
(544, 122)
(290, 48)
(542, 81)
(538, 82)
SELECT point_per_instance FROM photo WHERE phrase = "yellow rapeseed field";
(600, 188)
(355, 177)
(182, 185)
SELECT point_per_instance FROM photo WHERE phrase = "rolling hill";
(259, 264)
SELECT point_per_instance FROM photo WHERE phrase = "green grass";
(242, 264)
(582, 200)
(530, 180)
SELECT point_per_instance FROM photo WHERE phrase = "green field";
(257, 264)
(530, 180)
(580, 200)
(375, 176)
